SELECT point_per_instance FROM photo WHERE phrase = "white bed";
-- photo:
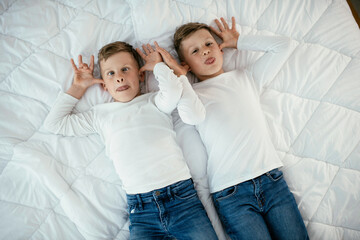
(54, 187)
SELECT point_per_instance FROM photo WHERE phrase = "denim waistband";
(162, 193)
(269, 176)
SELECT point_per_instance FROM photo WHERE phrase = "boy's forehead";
(196, 37)
(117, 59)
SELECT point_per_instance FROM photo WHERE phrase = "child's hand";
(229, 36)
(151, 58)
(83, 78)
(171, 62)
(83, 75)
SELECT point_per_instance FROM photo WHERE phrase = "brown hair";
(112, 48)
(185, 31)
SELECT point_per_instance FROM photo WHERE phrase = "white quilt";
(54, 187)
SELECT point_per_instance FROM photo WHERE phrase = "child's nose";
(206, 52)
(120, 80)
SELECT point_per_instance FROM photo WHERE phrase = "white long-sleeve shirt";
(235, 131)
(138, 135)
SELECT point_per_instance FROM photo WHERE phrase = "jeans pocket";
(226, 193)
(185, 195)
(275, 175)
(131, 208)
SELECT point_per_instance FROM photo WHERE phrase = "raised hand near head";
(171, 61)
(83, 74)
(83, 78)
(151, 58)
(227, 34)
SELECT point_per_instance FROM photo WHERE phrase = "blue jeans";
(261, 208)
(173, 212)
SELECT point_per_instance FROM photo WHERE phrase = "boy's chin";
(125, 99)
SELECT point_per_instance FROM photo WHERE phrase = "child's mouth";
(122, 88)
(210, 60)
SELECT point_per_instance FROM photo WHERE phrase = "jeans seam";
(160, 216)
(258, 193)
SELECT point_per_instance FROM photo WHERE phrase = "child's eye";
(195, 51)
(110, 73)
(125, 69)
(208, 44)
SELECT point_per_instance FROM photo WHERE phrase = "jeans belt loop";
(169, 193)
(139, 201)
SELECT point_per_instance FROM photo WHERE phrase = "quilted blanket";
(55, 187)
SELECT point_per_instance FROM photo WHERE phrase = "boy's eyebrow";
(124, 65)
(205, 40)
(104, 70)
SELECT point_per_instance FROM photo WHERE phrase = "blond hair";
(185, 31)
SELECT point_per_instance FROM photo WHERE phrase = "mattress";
(55, 187)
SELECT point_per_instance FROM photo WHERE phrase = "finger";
(80, 60)
(233, 23)
(91, 63)
(145, 50)
(163, 55)
(157, 46)
(141, 53)
(220, 26)
(224, 23)
(159, 49)
(150, 48)
(73, 64)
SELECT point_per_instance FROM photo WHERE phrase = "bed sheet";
(55, 187)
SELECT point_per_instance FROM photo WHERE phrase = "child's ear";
(104, 86)
(187, 67)
(221, 50)
(141, 76)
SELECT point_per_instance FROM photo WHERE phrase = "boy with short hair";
(249, 192)
(138, 134)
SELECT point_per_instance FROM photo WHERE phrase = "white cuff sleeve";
(170, 88)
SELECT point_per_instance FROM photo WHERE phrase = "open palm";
(151, 57)
(227, 34)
